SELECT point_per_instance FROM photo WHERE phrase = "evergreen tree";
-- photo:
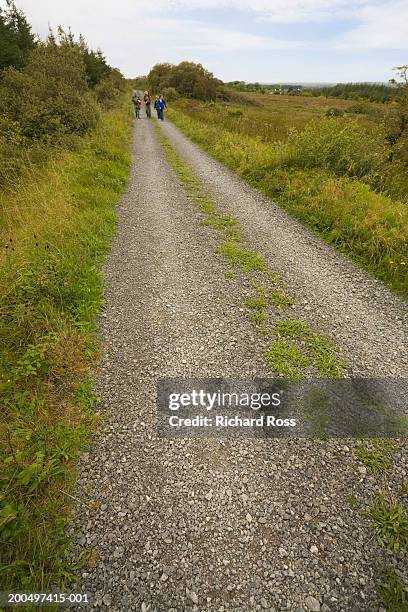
(16, 37)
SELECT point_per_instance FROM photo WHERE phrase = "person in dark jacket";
(148, 104)
(138, 106)
(134, 100)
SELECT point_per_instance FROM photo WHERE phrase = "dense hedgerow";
(50, 98)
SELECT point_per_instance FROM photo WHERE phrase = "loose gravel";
(221, 525)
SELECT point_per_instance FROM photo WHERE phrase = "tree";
(188, 79)
(159, 76)
(49, 98)
(96, 66)
(109, 88)
(16, 37)
(402, 72)
(193, 80)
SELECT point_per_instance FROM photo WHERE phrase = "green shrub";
(334, 112)
(345, 148)
(362, 108)
(49, 99)
(397, 130)
(109, 89)
(235, 112)
(187, 78)
(48, 103)
(401, 149)
(170, 94)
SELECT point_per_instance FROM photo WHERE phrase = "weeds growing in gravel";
(280, 300)
(287, 360)
(393, 594)
(320, 351)
(377, 455)
(390, 523)
(388, 519)
(240, 256)
(56, 226)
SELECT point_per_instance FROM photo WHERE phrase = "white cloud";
(278, 11)
(217, 39)
(382, 26)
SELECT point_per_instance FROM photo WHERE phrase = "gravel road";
(222, 525)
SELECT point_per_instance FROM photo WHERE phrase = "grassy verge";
(56, 227)
(369, 227)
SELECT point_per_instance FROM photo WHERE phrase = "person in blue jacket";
(161, 105)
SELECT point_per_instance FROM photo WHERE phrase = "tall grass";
(338, 146)
(317, 175)
(271, 118)
(56, 226)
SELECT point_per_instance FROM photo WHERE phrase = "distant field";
(271, 117)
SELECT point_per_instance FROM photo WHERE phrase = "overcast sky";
(251, 40)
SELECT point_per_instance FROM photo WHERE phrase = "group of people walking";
(159, 105)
